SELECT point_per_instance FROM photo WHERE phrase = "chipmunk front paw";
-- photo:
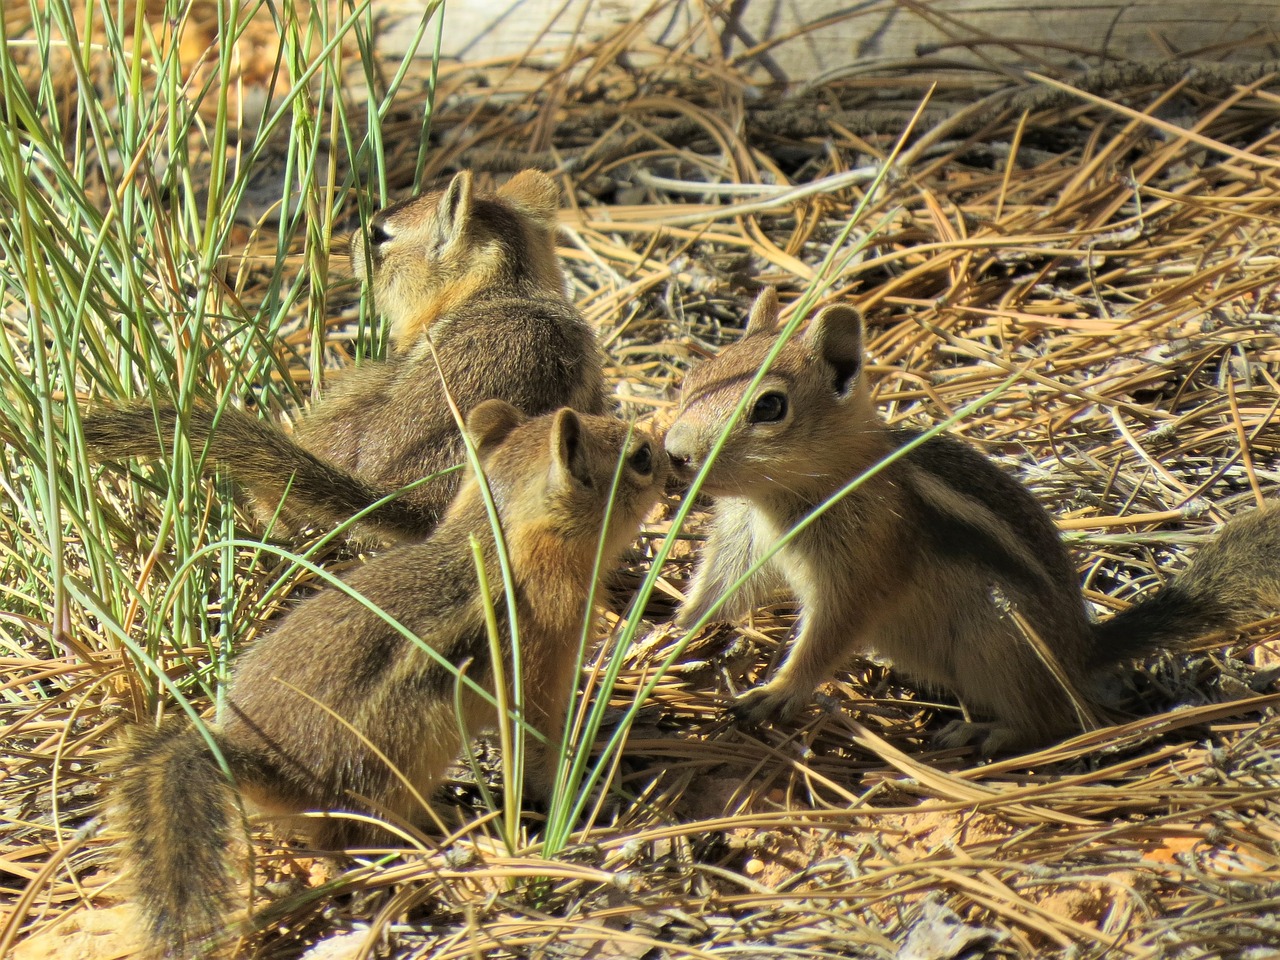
(989, 739)
(772, 701)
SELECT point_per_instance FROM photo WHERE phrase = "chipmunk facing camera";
(940, 561)
(336, 709)
(478, 276)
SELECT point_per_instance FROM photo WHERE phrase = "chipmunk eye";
(641, 461)
(378, 234)
(769, 407)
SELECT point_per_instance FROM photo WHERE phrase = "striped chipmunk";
(337, 710)
(476, 274)
(941, 561)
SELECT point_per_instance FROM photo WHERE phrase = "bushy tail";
(175, 811)
(264, 461)
(1233, 580)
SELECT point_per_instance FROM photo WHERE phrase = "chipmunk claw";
(772, 701)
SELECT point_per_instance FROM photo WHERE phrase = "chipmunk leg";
(824, 642)
(549, 683)
(997, 674)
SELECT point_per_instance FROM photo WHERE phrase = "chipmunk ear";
(835, 335)
(568, 454)
(454, 213)
(491, 422)
(535, 194)
(764, 313)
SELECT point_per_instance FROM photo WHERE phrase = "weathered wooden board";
(796, 40)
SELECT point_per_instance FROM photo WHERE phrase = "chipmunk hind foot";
(990, 738)
(776, 700)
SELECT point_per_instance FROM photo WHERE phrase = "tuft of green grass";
(167, 221)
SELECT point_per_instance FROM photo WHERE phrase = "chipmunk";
(932, 561)
(476, 275)
(324, 710)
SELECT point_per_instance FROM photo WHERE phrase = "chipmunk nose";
(681, 448)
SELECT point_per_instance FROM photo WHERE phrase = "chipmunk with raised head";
(476, 275)
(335, 709)
(940, 561)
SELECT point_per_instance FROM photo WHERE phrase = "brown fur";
(928, 560)
(476, 273)
(425, 267)
(550, 478)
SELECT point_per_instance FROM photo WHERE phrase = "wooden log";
(794, 41)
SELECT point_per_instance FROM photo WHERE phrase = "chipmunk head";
(803, 426)
(435, 251)
(555, 473)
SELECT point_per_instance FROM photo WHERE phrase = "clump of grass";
(140, 218)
